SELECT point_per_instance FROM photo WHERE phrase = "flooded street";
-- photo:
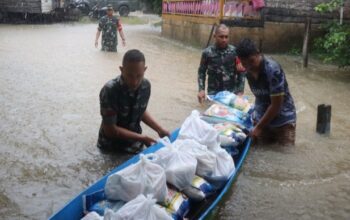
(50, 78)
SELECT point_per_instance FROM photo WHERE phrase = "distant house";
(277, 25)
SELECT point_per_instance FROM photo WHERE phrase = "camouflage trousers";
(109, 45)
(109, 48)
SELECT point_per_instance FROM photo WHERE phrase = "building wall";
(274, 37)
(283, 26)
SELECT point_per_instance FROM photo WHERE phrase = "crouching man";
(123, 105)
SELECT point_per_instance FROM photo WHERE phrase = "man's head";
(221, 36)
(133, 68)
(249, 55)
(109, 10)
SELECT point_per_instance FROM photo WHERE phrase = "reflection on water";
(50, 80)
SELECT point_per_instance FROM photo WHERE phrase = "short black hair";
(220, 27)
(133, 56)
(246, 48)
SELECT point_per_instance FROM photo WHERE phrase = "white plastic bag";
(92, 216)
(195, 128)
(139, 208)
(180, 167)
(224, 166)
(206, 160)
(144, 177)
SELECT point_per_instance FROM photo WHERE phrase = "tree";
(154, 6)
(334, 45)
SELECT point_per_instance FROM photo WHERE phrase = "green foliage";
(295, 50)
(334, 46)
(329, 6)
(154, 5)
(157, 6)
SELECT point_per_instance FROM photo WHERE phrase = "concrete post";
(323, 125)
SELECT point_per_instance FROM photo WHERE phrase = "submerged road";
(50, 78)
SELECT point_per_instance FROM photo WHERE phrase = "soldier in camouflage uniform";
(123, 104)
(222, 65)
(109, 24)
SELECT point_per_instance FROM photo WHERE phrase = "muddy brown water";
(50, 78)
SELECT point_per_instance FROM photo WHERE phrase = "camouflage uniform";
(220, 65)
(108, 26)
(124, 108)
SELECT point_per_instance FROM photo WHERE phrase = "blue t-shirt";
(272, 82)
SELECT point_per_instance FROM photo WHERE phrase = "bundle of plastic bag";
(139, 208)
(227, 113)
(230, 134)
(180, 167)
(92, 216)
(206, 159)
(232, 100)
(143, 177)
(176, 204)
(195, 128)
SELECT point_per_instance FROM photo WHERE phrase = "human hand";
(201, 96)
(148, 140)
(240, 67)
(96, 44)
(162, 133)
(256, 132)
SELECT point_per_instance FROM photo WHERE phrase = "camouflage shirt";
(220, 65)
(122, 107)
(108, 26)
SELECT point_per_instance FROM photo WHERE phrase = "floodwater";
(50, 78)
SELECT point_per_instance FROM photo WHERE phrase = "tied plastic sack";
(206, 159)
(139, 208)
(179, 166)
(92, 216)
(195, 128)
(232, 100)
(224, 164)
(143, 177)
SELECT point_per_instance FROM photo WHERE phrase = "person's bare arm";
(203, 66)
(148, 120)
(114, 131)
(121, 33)
(98, 33)
(271, 112)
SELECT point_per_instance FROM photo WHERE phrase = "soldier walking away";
(109, 25)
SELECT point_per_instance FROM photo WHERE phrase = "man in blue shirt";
(274, 114)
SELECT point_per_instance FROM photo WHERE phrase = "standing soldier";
(222, 65)
(109, 24)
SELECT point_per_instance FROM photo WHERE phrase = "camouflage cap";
(109, 7)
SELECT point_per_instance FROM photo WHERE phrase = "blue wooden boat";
(74, 209)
